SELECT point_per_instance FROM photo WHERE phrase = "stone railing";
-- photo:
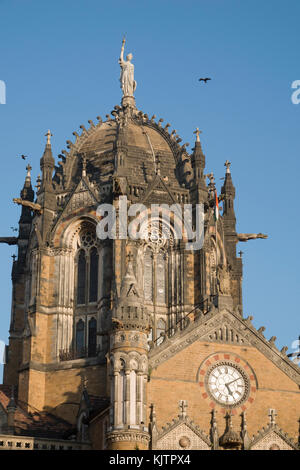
(11, 442)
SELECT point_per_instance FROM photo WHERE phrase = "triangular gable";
(182, 434)
(217, 323)
(81, 197)
(158, 192)
(272, 438)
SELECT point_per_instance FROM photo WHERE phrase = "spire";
(244, 433)
(198, 159)
(229, 193)
(27, 194)
(47, 164)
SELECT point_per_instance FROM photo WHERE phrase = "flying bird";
(14, 229)
(204, 79)
(24, 157)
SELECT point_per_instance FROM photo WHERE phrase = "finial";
(48, 135)
(14, 258)
(272, 415)
(197, 132)
(28, 168)
(183, 407)
(227, 164)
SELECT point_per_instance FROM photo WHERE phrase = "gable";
(271, 441)
(181, 437)
(82, 197)
(224, 328)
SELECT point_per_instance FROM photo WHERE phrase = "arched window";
(148, 275)
(81, 277)
(80, 339)
(86, 289)
(87, 268)
(160, 278)
(92, 339)
(93, 293)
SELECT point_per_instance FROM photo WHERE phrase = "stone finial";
(272, 415)
(48, 135)
(28, 168)
(183, 404)
(227, 164)
(197, 132)
(261, 329)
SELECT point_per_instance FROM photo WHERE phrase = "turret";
(129, 368)
(198, 165)
(47, 165)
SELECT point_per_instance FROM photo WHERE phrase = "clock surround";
(217, 359)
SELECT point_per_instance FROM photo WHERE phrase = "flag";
(216, 210)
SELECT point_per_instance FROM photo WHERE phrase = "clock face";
(227, 384)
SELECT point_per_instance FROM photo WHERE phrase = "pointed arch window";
(87, 269)
(81, 277)
(148, 275)
(93, 288)
(86, 293)
(155, 276)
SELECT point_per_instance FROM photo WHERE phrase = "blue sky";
(59, 61)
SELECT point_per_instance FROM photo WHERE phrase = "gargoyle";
(244, 237)
(34, 207)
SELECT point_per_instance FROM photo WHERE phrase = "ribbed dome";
(142, 141)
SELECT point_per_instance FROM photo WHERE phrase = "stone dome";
(143, 143)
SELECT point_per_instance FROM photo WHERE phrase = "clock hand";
(230, 392)
(229, 383)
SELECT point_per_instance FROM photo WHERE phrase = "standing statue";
(128, 84)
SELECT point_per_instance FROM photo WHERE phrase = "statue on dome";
(128, 84)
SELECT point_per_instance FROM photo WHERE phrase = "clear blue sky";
(59, 61)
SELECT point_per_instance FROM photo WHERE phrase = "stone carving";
(244, 237)
(128, 84)
(223, 280)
